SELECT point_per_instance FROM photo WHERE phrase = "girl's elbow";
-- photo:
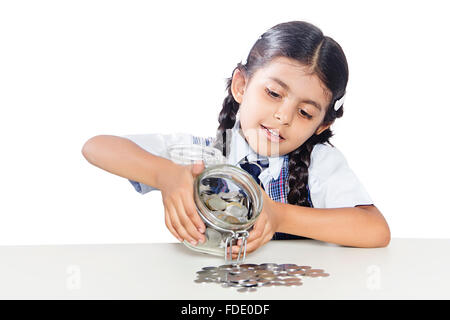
(89, 148)
(382, 237)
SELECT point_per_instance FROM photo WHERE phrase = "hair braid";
(227, 119)
(299, 161)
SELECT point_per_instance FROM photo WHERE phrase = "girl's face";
(284, 97)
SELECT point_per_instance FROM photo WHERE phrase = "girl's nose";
(284, 114)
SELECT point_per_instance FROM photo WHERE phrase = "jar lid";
(186, 154)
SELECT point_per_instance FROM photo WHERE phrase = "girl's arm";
(124, 158)
(362, 226)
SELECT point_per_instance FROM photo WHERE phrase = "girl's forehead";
(294, 77)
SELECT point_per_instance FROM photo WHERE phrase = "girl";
(281, 103)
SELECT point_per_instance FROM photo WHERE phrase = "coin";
(315, 270)
(288, 266)
(297, 273)
(215, 203)
(318, 275)
(203, 272)
(269, 266)
(231, 219)
(227, 266)
(262, 282)
(250, 283)
(291, 279)
(229, 195)
(209, 268)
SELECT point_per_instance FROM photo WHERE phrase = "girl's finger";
(169, 225)
(258, 228)
(257, 242)
(193, 215)
(178, 226)
(189, 227)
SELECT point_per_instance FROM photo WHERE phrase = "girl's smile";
(272, 135)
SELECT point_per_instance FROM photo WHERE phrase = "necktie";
(253, 169)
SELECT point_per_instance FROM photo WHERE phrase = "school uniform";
(331, 182)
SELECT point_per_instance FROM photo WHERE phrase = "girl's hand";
(177, 192)
(263, 229)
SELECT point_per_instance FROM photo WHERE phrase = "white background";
(70, 70)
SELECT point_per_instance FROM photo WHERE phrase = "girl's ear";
(238, 85)
(322, 128)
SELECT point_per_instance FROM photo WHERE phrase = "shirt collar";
(239, 149)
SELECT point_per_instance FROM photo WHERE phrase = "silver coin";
(209, 268)
(249, 266)
(204, 272)
(291, 284)
(280, 273)
(317, 275)
(227, 266)
(228, 195)
(237, 279)
(300, 272)
(314, 271)
(199, 281)
(250, 283)
(263, 272)
(206, 279)
(268, 266)
(262, 282)
(291, 280)
(287, 266)
(268, 277)
(215, 203)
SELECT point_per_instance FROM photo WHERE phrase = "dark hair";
(305, 43)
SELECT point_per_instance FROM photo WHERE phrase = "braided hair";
(305, 43)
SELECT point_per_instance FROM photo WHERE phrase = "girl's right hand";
(180, 211)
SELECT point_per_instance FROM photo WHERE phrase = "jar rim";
(240, 177)
(183, 153)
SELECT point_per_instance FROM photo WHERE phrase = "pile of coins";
(247, 277)
(231, 207)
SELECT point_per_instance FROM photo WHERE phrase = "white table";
(406, 269)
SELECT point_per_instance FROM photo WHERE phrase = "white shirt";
(331, 182)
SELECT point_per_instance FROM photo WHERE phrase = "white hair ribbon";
(339, 103)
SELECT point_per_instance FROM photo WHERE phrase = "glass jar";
(227, 199)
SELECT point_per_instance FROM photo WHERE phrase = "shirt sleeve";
(156, 144)
(331, 182)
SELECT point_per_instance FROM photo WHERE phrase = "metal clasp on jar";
(238, 235)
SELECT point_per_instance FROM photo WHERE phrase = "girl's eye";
(272, 93)
(305, 114)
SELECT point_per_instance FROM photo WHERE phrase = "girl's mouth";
(272, 135)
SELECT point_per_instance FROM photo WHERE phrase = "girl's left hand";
(263, 229)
